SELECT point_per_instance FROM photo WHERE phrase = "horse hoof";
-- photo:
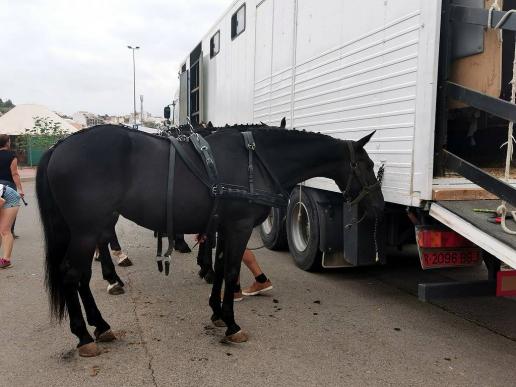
(125, 262)
(219, 323)
(88, 350)
(209, 277)
(202, 272)
(237, 338)
(115, 289)
(182, 247)
(104, 337)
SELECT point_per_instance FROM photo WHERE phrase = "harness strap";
(190, 164)
(203, 148)
(170, 189)
(283, 195)
(251, 147)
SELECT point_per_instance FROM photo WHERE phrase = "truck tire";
(273, 230)
(303, 230)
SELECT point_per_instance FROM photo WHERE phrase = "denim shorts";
(12, 198)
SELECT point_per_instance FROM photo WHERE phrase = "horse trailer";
(431, 77)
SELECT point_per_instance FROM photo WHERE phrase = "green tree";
(45, 133)
(6, 106)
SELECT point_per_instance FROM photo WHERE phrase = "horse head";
(358, 181)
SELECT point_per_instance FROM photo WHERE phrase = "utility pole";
(173, 111)
(134, 84)
(141, 109)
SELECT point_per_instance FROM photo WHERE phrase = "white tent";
(21, 117)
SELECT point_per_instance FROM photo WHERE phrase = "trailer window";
(238, 22)
(215, 44)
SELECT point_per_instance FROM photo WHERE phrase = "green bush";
(36, 140)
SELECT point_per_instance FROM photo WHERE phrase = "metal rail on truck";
(461, 218)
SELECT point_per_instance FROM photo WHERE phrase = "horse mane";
(261, 128)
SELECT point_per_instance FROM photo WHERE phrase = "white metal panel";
(282, 58)
(426, 107)
(341, 68)
(229, 91)
(263, 60)
(361, 75)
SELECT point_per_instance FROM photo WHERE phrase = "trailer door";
(273, 61)
(263, 61)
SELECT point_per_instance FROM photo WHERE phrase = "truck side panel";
(338, 69)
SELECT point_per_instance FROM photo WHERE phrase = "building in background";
(87, 119)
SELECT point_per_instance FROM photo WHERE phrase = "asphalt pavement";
(355, 327)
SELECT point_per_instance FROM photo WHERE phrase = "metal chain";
(379, 177)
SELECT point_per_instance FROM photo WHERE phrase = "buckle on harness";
(217, 189)
(251, 146)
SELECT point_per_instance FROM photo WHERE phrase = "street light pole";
(134, 83)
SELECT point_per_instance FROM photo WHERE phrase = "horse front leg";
(159, 258)
(181, 245)
(236, 237)
(204, 259)
(218, 279)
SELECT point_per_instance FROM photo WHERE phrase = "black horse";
(125, 171)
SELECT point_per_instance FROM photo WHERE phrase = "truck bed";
(460, 217)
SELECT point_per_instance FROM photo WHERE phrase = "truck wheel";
(303, 230)
(273, 231)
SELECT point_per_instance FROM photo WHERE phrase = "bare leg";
(261, 283)
(250, 261)
(7, 217)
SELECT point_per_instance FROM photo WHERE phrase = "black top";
(6, 158)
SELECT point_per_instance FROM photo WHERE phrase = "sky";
(72, 55)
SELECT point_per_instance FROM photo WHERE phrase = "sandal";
(4, 263)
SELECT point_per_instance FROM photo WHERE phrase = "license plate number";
(450, 258)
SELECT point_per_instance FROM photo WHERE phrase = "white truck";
(427, 75)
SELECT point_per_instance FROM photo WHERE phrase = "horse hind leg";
(115, 284)
(76, 267)
(102, 331)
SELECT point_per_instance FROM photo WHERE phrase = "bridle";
(357, 172)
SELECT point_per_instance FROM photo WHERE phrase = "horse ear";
(283, 123)
(364, 140)
(210, 125)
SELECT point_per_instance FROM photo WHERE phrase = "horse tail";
(57, 238)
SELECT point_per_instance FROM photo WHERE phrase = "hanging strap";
(170, 189)
(251, 147)
(203, 148)
(280, 199)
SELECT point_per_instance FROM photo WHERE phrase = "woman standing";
(9, 205)
(9, 167)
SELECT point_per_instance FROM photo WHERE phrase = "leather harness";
(220, 190)
(210, 179)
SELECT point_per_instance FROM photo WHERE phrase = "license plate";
(438, 258)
